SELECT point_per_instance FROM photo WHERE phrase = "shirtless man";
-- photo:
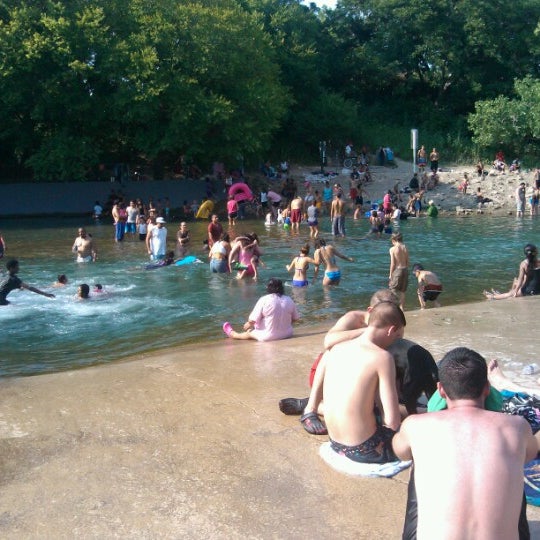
(469, 502)
(84, 247)
(296, 212)
(429, 286)
(359, 374)
(434, 160)
(337, 215)
(399, 268)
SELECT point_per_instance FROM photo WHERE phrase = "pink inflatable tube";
(241, 192)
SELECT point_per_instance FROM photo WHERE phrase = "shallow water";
(148, 310)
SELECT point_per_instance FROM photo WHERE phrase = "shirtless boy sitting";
(360, 373)
(481, 451)
(416, 369)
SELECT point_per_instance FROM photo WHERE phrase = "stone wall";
(26, 199)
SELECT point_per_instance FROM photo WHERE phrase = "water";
(149, 310)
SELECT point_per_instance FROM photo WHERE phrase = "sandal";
(313, 424)
(227, 328)
(292, 405)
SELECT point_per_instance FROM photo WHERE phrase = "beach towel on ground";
(345, 465)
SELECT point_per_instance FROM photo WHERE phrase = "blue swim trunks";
(333, 276)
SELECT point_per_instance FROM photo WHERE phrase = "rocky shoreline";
(77, 198)
(500, 187)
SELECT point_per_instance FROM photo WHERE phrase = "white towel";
(345, 465)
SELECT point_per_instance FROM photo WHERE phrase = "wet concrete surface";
(190, 443)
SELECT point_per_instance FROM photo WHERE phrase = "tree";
(440, 55)
(513, 123)
(130, 80)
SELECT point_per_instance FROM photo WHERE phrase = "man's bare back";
(468, 462)
(468, 466)
(399, 257)
(296, 203)
(337, 208)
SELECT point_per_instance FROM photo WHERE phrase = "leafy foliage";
(89, 83)
(512, 123)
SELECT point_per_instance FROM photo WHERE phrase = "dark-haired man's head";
(463, 374)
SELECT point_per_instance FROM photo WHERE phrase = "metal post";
(414, 146)
(322, 154)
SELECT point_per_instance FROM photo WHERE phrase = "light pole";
(414, 146)
(322, 154)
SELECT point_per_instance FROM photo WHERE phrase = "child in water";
(142, 228)
(166, 261)
(61, 281)
(83, 291)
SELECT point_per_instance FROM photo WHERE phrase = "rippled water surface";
(147, 310)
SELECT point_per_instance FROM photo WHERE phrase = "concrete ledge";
(190, 443)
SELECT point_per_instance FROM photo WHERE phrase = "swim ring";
(241, 192)
(205, 210)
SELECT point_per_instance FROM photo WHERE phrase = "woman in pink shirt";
(271, 318)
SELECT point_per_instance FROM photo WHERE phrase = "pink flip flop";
(227, 328)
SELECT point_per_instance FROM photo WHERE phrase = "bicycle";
(350, 162)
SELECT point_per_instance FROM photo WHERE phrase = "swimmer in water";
(84, 247)
(300, 264)
(61, 281)
(166, 261)
(12, 282)
(326, 255)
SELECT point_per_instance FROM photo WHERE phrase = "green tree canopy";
(84, 83)
(440, 55)
(512, 123)
(80, 83)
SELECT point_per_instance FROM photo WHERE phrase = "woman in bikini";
(301, 265)
(326, 255)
